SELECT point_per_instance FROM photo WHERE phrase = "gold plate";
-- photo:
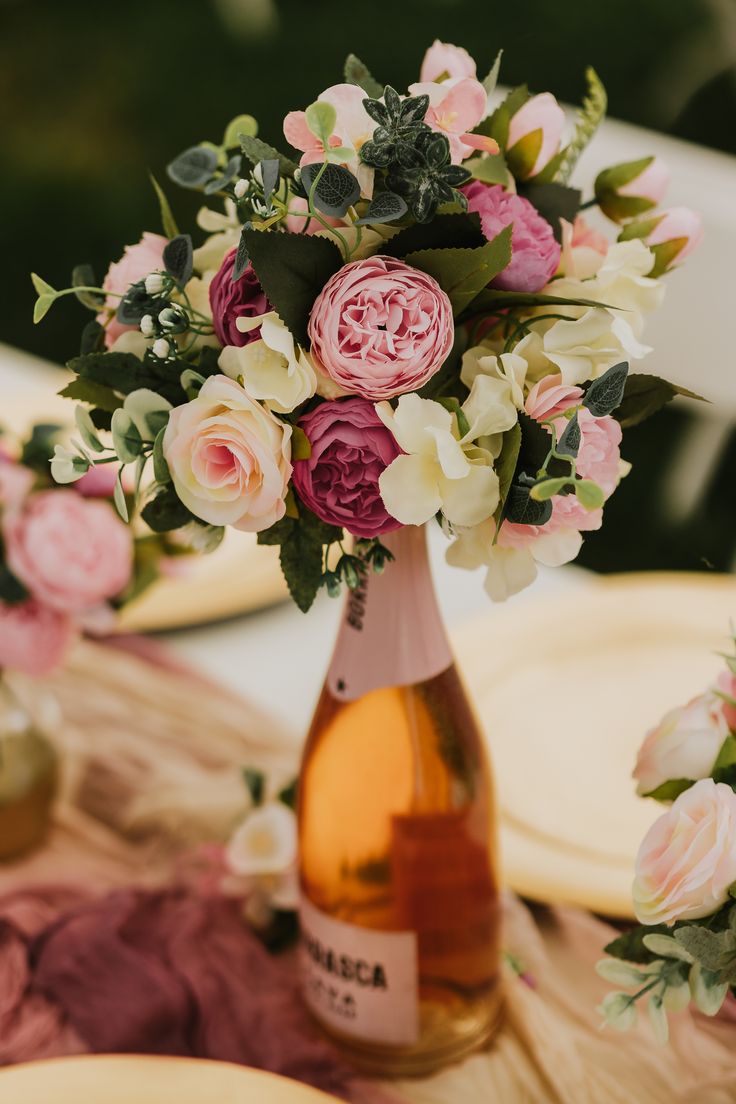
(566, 687)
(130, 1079)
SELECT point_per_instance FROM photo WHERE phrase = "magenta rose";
(351, 447)
(233, 299)
(72, 553)
(33, 638)
(379, 327)
(535, 254)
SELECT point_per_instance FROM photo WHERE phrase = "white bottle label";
(359, 981)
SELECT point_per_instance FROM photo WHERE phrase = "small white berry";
(258, 174)
(147, 325)
(161, 348)
(241, 188)
(154, 283)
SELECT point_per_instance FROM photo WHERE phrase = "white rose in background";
(265, 843)
(687, 860)
(684, 745)
(229, 457)
(274, 369)
(442, 469)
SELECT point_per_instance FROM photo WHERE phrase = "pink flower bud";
(631, 189)
(671, 235)
(534, 136)
(442, 59)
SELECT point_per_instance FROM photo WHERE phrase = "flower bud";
(534, 135)
(161, 348)
(147, 325)
(671, 235)
(628, 190)
(154, 283)
(173, 320)
(241, 188)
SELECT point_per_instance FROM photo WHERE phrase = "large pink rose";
(687, 861)
(535, 254)
(379, 328)
(233, 299)
(685, 743)
(550, 397)
(72, 553)
(33, 638)
(351, 447)
(136, 263)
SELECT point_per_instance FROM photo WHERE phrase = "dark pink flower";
(351, 447)
(233, 299)
(535, 254)
(33, 638)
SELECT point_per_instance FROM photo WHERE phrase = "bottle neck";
(391, 633)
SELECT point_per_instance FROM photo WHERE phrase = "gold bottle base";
(444, 1039)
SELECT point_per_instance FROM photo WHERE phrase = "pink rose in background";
(677, 233)
(351, 447)
(353, 127)
(233, 299)
(72, 553)
(630, 189)
(540, 114)
(685, 743)
(726, 684)
(455, 108)
(33, 638)
(598, 455)
(442, 59)
(585, 237)
(15, 483)
(98, 482)
(535, 254)
(567, 516)
(379, 327)
(687, 860)
(136, 263)
(550, 396)
(651, 184)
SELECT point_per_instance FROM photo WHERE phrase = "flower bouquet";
(411, 321)
(684, 949)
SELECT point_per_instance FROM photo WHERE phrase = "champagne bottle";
(399, 886)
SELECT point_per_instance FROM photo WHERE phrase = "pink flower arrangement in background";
(137, 262)
(233, 299)
(380, 328)
(535, 254)
(350, 449)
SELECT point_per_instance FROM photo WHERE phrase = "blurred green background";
(95, 95)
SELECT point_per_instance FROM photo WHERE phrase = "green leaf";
(569, 441)
(644, 395)
(118, 496)
(292, 269)
(12, 590)
(166, 511)
(95, 394)
(604, 394)
(589, 494)
(160, 467)
(522, 156)
(269, 178)
(126, 439)
(255, 783)
(42, 307)
(715, 951)
(490, 81)
(256, 150)
(459, 231)
(125, 372)
(463, 273)
(321, 118)
(358, 73)
(505, 466)
(669, 790)
(726, 756)
(543, 491)
(41, 287)
(554, 202)
(521, 509)
(288, 795)
(87, 430)
(38, 448)
(630, 946)
(336, 190)
(241, 124)
(194, 167)
(494, 299)
(491, 168)
(177, 258)
(83, 277)
(384, 207)
(300, 446)
(497, 125)
(301, 562)
(168, 222)
(590, 116)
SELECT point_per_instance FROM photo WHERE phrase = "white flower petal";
(510, 570)
(409, 489)
(470, 500)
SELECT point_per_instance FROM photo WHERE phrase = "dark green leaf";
(135, 303)
(160, 467)
(12, 590)
(630, 945)
(177, 258)
(124, 372)
(506, 466)
(669, 790)
(715, 951)
(385, 207)
(301, 563)
(463, 273)
(242, 257)
(193, 167)
(93, 336)
(494, 299)
(256, 150)
(569, 442)
(229, 173)
(358, 73)
(269, 177)
(292, 269)
(522, 509)
(336, 190)
(83, 276)
(645, 395)
(554, 202)
(461, 231)
(166, 511)
(255, 782)
(168, 222)
(95, 394)
(287, 796)
(604, 394)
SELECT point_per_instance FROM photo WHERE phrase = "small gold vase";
(28, 775)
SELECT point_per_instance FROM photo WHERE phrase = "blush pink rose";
(687, 860)
(535, 253)
(685, 743)
(726, 684)
(442, 59)
(599, 457)
(351, 448)
(33, 637)
(550, 397)
(136, 263)
(678, 228)
(379, 328)
(97, 482)
(71, 552)
(233, 299)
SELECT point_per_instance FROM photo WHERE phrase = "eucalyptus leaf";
(178, 258)
(241, 124)
(126, 439)
(160, 467)
(358, 73)
(83, 277)
(384, 207)
(256, 150)
(193, 167)
(118, 496)
(87, 430)
(336, 190)
(604, 394)
(269, 178)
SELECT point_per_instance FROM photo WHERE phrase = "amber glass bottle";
(399, 913)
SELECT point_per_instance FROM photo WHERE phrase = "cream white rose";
(265, 843)
(685, 744)
(440, 469)
(687, 860)
(273, 369)
(229, 457)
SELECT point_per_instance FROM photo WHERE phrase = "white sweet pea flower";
(580, 348)
(274, 369)
(507, 367)
(224, 229)
(440, 469)
(265, 843)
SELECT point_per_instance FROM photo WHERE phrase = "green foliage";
(96, 394)
(506, 467)
(12, 590)
(38, 448)
(589, 494)
(241, 124)
(168, 222)
(256, 150)
(194, 167)
(321, 118)
(463, 273)
(554, 202)
(255, 783)
(569, 441)
(123, 373)
(458, 231)
(605, 394)
(491, 168)
(384, 207)
(335, 191)
(177, 257)
(497, 125)
(166, 511)
(644, 395)
(118, 496)
(358, 73)
(83, 277)
(301, 540)
(522, 509)
(160, 467)
(425, 175)
(669, 790)
(630, 946)
(292, 269)
(490, 81)
(590, 116)
(714, 950)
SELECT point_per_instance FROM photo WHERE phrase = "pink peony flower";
(687, 860)
(136, 263)
(685, 743)
(380, 328)
(567, 516)
(98, 482)
(535, 254)
(540, 114)
(550, 397)
(599, 456)
(15, 483)
(455, 108)
(351, 448)
(353, 127)
(33, 637)
(443, 60)
(233, 299)
(72, 553)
